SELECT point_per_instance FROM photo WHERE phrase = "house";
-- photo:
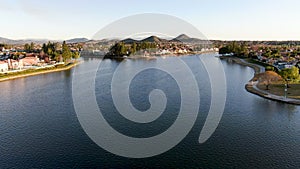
(283, 65)
(3, 66)
(13, 64)
(29, 61)
(164, 51)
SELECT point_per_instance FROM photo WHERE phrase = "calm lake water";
(39, 127)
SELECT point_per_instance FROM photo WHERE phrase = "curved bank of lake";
(251, 86)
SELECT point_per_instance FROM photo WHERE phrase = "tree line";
(290, 74)
(53, 50)
(235, 48)
(122, 49)
(241, 49)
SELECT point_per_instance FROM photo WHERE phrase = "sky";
(216, 19)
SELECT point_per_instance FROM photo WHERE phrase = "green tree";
(31, 46)
(252, 55)
(292, 73)
(224, 50)
(16, 56)
(76, 55)
(119, 49)
(133, 48)
(27, 47)
(122, 49)
(269, 68)
(49, 51)
(56, 56)
(244, 50)
(276, 53)
(44, 48)
(268, 53)
(239, 49)
(66, 53)
(294, 53)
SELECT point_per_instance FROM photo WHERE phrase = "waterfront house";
(13, 64)
(29, 61)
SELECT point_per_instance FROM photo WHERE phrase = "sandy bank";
(11, 77)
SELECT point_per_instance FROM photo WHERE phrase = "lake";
(39, 126)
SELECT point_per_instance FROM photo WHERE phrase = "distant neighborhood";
(154, 46)
(280, 55)
(22, 55)
(19, 57)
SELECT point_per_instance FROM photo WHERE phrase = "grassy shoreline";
(254, 89)
(34, 72)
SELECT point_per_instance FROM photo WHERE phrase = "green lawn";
(278, 89)
(30, 71)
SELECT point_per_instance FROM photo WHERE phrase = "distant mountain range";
(5, 40)
(22, 41)
(186, 39)
(153, 39)
(179, 39)
(39, 41)
(77, 40)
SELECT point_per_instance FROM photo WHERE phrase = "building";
(3, 66)
(283, 65)
(13, 64)
(29, 61)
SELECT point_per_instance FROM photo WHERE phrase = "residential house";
(29, 61)
(283, 65)
(3, 66)
(13, 64)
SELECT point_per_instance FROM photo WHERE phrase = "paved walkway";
(268, 95)
(252, 85)
(252, 88)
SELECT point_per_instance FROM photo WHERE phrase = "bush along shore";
(33, 72)
(253, 85)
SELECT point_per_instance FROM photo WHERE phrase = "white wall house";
(13, 64)
(3, 66)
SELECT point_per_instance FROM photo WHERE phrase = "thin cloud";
(6, 5)
(32, 8)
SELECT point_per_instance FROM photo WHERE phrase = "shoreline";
(257, 68)
(12, 77)
(251, 86)
(162, 56)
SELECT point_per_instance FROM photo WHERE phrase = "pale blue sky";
(216, 19)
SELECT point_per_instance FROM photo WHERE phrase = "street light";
(285, 91)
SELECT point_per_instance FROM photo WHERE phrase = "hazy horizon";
(139, 38)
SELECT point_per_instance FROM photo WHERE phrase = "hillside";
(22, 41)
(129, 40)
(5, 40)
(186, 39)
(77, 40)
(154, 39)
